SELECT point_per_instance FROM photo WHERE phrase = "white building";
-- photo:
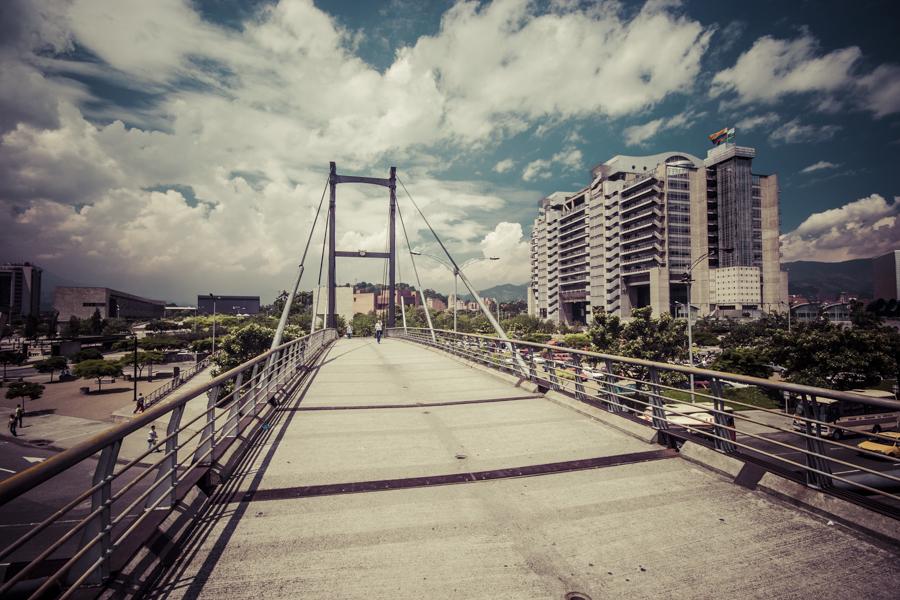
(632, 236)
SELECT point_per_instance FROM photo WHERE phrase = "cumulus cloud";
(819, 166)
(638, 134)
(773, 68)
(755, 121)
(504, 165)
(567, 159)
(795, 132)
(866, 227)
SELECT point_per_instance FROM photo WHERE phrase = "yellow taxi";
(883, 446)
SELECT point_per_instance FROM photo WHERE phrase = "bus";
(844, 418)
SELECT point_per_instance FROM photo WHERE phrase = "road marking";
(7, 470)
(34, 459)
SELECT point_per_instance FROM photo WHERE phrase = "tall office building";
(20, 289)
(887, 275)
(645, 223)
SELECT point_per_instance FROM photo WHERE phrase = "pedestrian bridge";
(401, 470)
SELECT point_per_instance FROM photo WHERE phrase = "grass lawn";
(752, 396)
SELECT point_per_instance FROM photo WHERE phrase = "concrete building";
(887, 275)
(81, 302)
(436, 304)
(20, 289)
(631, 237)
(227, 305)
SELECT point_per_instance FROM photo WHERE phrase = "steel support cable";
(453, 262)
(494, 323)
(416, 272)
(285, 312)
(315, 314)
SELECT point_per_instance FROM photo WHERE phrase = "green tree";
(10, 357)
(97, 369)
(743, 361)
(363, 324)
(73, 329)
(96, 322)
(161, 342)
(605, 332)
(202, 345)
(827, 355)
(87, 354)
(24, 389)
(51, 365)
(241, 345)
(114, 326)
(144, 359)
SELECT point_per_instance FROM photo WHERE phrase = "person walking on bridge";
(152, 438)
(12, 424)
(378, 331)
(349, 332)
(20, 416)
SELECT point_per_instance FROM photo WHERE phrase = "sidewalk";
(64, 417)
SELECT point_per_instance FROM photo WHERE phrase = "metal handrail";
(795, 388)
(173, 384)
(642, 396)
(252, 384)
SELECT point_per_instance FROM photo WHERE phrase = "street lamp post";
(687, 280)
(456, 277)
(134, 377)
(214, 325)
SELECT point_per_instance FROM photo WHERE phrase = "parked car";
(882, 446)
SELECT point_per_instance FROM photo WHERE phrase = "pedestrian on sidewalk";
(139, 404)
(378, 331)
(152, 438)
(20, 415)
(12, 424)
(349, 332)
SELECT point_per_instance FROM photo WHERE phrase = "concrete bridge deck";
(395, 473)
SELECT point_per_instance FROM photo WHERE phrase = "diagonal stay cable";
(315, 314)
(416, 271)
(282, 322)
(496, 325)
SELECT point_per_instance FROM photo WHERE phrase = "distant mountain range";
(827, 281)
(505, 292)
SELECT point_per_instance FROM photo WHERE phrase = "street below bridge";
(397, 471)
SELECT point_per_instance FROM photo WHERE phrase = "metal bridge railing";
(175, 383)
(802, 445)
(96, 529)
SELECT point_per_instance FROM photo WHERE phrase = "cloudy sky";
(173, 147)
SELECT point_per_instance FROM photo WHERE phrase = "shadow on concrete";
(337, 356)
(104, 391)
(218, 507)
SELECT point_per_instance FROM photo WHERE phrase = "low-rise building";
(207, 304)
(82, 302)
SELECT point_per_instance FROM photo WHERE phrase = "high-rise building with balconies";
(646, 224)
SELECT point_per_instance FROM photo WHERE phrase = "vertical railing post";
(722, 438)
(656, 403)
(253, 390)
(234, 409)
(532, 367)
(612, 399)
(554, 378)
(203, 453)
(579, 377)
(813, 410)
(167, 470)
(101, 524)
